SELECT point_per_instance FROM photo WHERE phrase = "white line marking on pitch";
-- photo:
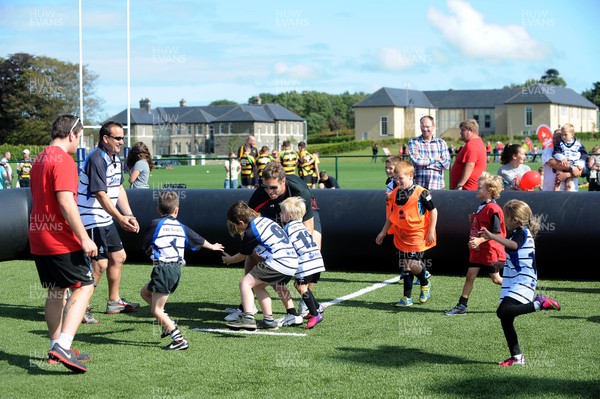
(216, 330)
(361, 292)
(325, 305)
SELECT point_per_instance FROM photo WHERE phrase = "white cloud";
(466, 29)
(298, 71)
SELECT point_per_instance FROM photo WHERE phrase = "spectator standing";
(248, 163)
(24, 169)
(306, 164)
(570, 152)
(554, 170)
(232, 171)
(100, 192)
(9, 173)
(375, 150)
(429, 156)
(250, 141)
(60, 248)
(316, 172)
(3, 174)
(513, 167)
(288, 158)
(139, 163)
(264, 158)
(594, 167)
(471, 160)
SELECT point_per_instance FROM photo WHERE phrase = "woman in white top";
(232, 171)
(139, 162)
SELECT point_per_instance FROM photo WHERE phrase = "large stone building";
(211, 130)
(395, 113)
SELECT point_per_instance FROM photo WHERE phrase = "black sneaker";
(68, 358)
(177, 345)
(267, 325)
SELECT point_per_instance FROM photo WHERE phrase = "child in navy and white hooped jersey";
(310, 260)
(519, 278)
(265, 240)
(165, 242)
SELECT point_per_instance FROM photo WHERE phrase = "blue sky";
(208, 50)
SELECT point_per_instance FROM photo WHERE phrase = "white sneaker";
(302, 309)
(290, 320)
(236, 314)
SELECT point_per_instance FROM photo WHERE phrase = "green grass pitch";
(365, 347)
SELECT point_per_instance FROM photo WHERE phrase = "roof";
(457, 99)
(389, 97)
(454, 99)
(208, 114)
(541, 94)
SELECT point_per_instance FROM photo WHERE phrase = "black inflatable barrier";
(351, 220)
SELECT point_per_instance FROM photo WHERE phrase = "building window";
(384, 126)
(365, 136)
(230, 128)
(528, 116)
(476, 117)
(487, 121)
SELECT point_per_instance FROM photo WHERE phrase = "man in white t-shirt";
(553, 169)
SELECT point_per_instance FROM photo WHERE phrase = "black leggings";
(507, 311)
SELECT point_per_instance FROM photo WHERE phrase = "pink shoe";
(314, 320)
(547, 303)
(512, 361)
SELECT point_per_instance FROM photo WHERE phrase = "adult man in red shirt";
(59, 243)
(471, 161)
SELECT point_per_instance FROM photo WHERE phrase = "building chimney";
(145, 104)
(258, 100)
(182, 103)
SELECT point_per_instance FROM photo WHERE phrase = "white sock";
(65, 340)
(52, 342)
(537, 305)
(518, 357)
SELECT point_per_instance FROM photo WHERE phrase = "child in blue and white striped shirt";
(519, 278)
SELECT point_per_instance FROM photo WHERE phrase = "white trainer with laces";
(237, 313)
(290, 320)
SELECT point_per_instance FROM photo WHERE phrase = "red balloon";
(530, 180)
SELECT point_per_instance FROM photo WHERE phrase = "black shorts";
(272, 277)
(71, 270)
(487, 269)
(164, 279)
(247, 181)
(107, 240)
(404, 256)
(313, 278)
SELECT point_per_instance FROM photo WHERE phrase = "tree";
(593, 94)
(552, 77)
(223, 102)
(323, 112)
(35, 90)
